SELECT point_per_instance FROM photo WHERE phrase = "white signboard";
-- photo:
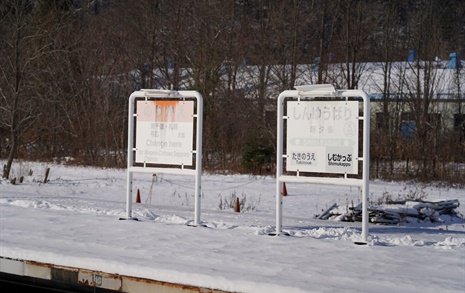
(164, 132)
(322, 136)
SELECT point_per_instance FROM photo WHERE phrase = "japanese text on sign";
(164, 132)
(322, 136)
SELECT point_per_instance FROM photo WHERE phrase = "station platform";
(69, 279)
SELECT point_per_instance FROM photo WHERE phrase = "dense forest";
(67, 68)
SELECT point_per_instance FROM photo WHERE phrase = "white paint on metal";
(196, 171)
(312, 91)
(37, 271)
(11, 266)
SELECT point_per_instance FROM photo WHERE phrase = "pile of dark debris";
(396, 212)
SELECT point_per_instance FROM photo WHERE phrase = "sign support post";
(322, 141)
(164, 136)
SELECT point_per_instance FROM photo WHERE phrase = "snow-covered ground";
(74, 220)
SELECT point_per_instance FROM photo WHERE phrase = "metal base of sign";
(129, 218)
(192, 224)
(279, 234)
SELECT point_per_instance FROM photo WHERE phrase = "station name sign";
(322, 136)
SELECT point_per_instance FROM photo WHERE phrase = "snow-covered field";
(73, 220)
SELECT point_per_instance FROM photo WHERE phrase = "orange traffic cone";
(138, 196)
(237, 208)
(284, 192)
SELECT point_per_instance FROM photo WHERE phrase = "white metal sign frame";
(154, 94)
(312, 92)
(322, 136)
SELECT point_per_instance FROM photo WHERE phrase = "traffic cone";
(284, 192)
(138, 196)
(237, 208)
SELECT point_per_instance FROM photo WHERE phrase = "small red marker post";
(138, 196)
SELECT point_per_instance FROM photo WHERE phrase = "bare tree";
(355, 26)
(25, 42)
(388, 42)
(325, 13)
(421, 84)
(294, 19)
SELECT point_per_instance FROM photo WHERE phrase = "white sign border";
(314, 91)
(312, 136)
(162, 145)
(196, 172)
